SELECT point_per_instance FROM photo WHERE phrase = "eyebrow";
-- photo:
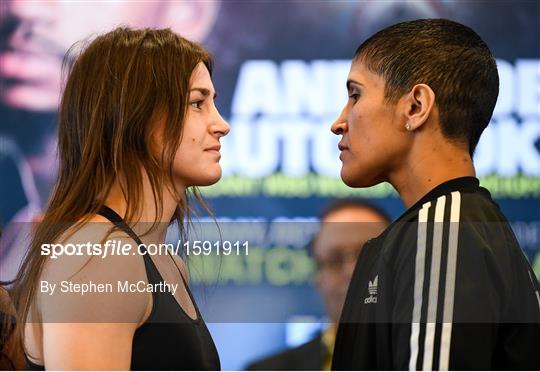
(205, 92)
(352, 82)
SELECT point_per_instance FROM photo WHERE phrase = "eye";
(196, 104)
(354, 97)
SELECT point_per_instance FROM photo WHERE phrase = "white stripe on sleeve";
(433, 296)
(418, 283)
(448, 312)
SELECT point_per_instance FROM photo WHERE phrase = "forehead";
(359, 73)
(347, 229)
(200, 78)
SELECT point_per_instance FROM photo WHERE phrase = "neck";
(425, 169)
(148, 210)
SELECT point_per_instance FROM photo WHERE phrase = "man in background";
(345, 226)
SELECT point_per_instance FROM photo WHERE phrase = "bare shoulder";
(83, 274)
(95, 243)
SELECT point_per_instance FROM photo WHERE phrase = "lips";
(342, 147)
(214, 148)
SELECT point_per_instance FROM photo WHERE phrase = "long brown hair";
(118, 87)
(11, 354)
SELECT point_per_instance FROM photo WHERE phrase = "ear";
(191, 19)
(419, 104)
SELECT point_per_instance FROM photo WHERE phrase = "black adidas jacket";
(446, 286)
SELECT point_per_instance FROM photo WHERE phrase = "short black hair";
(347, 203)
(449, 57)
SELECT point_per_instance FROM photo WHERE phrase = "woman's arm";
(93, 329)
(81, 346)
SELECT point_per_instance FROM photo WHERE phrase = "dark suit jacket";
(306, 357)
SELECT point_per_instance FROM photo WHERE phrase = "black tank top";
(169, 339)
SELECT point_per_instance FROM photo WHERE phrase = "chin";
(208, 179)
(357, 179)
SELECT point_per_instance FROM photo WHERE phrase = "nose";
(220, 127)
(339, 126)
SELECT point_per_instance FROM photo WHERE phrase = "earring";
(408, 127)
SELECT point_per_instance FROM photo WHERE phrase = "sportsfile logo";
(372, 289)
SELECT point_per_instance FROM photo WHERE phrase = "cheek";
(359, 129)
(188, 148)
(187, 156)
(195, 167)
(372, 132)
(191, 145)
(373, 149)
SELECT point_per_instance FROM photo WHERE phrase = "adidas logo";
(372, 289)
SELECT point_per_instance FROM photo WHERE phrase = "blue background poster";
(280, 70)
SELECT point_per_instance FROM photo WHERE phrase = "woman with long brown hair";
(138, 130)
